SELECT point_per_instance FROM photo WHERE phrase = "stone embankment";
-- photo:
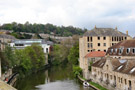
(5, 86)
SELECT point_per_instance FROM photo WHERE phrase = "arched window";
(133, 50)
(116, 50)
(128, 50)
(120, 50)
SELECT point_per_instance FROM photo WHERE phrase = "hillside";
(43, 28)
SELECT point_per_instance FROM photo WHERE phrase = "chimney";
(127, 32)
(95, 27)
(116, 28)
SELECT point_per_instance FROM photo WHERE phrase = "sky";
(77, 13)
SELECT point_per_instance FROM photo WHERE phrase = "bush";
(77, 71)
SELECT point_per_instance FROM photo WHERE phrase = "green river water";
(55, 78)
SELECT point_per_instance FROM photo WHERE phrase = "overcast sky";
(78, 13)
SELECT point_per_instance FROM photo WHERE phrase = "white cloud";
(80, 13)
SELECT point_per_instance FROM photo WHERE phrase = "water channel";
(55, 78)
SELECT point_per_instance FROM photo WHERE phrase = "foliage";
(20, 36)
(77, 71)
(59, 54)
(25, 60)
(90, 65)
(9, 56)
(74, 54)
(98, 86)
(41, 28)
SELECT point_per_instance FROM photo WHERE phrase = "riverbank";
(92, 84)
(5, 86)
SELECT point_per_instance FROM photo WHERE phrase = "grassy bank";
(97, 86)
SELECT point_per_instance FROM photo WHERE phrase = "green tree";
(74, 54)
(9, 56)
(77, 71)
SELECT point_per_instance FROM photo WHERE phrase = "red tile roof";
(95, 54)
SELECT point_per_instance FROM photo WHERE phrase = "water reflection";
(56, 78)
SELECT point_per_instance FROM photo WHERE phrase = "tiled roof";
(127, 67)
(95, 54)
(100, 63)
(104, 32)
(124, 45)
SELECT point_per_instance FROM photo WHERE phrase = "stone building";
(123, 50)
(4, 39)
(98, 39)
(90, 58)
(115, 74)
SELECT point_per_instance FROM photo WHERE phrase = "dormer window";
(120, 50)
(116, 50)
(128, 50)
(132, 70)
(133, 50)
(111, 50)
(119, 67)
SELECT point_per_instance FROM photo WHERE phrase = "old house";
(116, 74)
(123, 50)
(90, 58)
(98, 39)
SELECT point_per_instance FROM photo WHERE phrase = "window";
(104, 50)
(120, 50)
(46, 50)
(128, 50)
(98, 50)
(133, 50)
(112, 44)
(122, 38)
(91, 39)
(111, 50)
(104, 44)
(116, 50)
(104, 38)
(91, 45)
(115, 38)
(88, 45)
(88, 39)
(125, 81)
(112, 38)
(88, 50)
(121, 80)
(111, 76)
(125, 38)
(119, 38)
(98, 44)
(98, 38)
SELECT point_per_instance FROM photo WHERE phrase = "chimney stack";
(127, 32)
(116, 28)
(95, 27)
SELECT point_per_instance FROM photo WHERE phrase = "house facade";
(98, 39)
(114, 73)
(21, 44)
(123, 50)
(4, 39)
(91, 58)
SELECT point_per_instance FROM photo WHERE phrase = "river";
(55, 78)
